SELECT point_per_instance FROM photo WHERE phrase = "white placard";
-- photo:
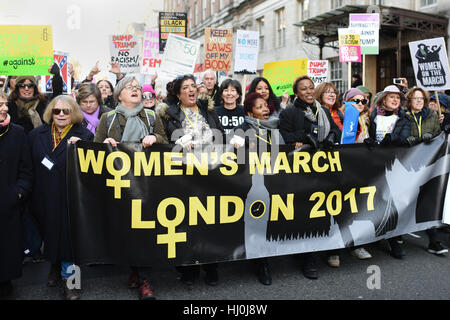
(246, 52)
(317, 70)
(124, 49)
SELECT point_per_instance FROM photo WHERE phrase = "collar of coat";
(204, 102)
(425, 113)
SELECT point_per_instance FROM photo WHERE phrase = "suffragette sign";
(246, 55)
(135, 206)
(124, 49)
(218, 49)
(368, 25)
(25, 50)
(430, 64)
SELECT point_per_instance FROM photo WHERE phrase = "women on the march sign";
(430, 62)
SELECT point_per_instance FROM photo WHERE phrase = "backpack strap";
(109, 122)
(151, 119)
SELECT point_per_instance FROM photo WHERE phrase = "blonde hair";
(3, 95)
(77, 114)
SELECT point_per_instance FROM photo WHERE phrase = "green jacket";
(430, 123)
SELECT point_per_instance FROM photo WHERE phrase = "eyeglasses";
(363, 101)
(57, 111)
(332, 93)
(29, 85)
(147, 96)
(139, 88)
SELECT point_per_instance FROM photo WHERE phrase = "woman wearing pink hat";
(148, 96)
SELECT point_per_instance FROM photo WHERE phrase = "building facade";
(285, 32)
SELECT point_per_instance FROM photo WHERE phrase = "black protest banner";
(135, 206)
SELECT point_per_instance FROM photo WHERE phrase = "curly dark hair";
(250, 100)
(173, 88)
(225, 84)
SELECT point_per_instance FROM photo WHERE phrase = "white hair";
(209, 71)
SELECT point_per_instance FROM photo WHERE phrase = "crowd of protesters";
(35, 130)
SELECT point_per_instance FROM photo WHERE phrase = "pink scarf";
(92, 120)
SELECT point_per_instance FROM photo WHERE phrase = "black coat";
(15, 177)
(49, 196)
(295, 126)
(25, 122)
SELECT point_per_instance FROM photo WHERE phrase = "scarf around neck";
(262, 127)
(27, 108)
(135, 129)
(321, 119)
(92, 120)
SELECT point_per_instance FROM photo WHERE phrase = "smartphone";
(397, 80)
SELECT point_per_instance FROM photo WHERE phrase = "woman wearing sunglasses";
(148, 97)
(360, 102)
(27, 104)
(62, 125)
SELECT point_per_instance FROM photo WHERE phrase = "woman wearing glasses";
(90, 100)
(148, 96)
(62, 125)
(130, 121)
(27, 104)
(327, 94)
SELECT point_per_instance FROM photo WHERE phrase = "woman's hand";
(95, 70)
(115, 68)
(298, 145)
(441, 118)
(111, 141)
(285, 98)
(148, 141)
(73, 140)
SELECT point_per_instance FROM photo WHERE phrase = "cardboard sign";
(368, 25)
(151, 58)
(62, 59)
(124, 49)
(25, 50)
(180, 56)
(430, 62)
(218, 49)
(318, 71)
(246, 55)
(282, 74)
(349, 45)
(171, 23)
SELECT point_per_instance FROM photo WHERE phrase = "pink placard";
(350, 54)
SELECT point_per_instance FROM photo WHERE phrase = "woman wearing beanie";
(27, 104)
(148, 96)
(15, 185)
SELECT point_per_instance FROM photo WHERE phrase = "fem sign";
(218, 49)
(25, 50)
(151, 59)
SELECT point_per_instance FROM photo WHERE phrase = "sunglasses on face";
(363, 101)
(57, 111)
(29, 85)
(148, 96)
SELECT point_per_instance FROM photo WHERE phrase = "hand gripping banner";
(141, 207)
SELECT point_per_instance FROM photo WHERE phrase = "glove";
(310, 139)
(426, 137)
(329, 141)
(184, 140)
(237, 140)
(370, 143)
(412, 141)
(387, 140)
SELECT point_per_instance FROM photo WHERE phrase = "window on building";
(336, 4)
(213, 7)
(205, 13)
(221, 4)
(280, 20)
(260, 28)
(424, 3)
(336, 76)
(195, 15)
(199, 11)
(302, 14)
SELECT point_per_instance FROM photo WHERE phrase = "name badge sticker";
(46, 162)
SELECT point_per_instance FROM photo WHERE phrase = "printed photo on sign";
(430, 64)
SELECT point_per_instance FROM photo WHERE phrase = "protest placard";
(124, 49)
(151, 58)
(171, 23)
(246, 52)
(317, 70)
(180, 56)
(25, 50)
(218, 49)
(349, 45)
(368, 25)
(282, 74)
(62, 60)
(430, 63)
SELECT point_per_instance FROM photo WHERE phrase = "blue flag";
(350, 126)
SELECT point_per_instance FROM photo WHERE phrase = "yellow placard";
(282, 74)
